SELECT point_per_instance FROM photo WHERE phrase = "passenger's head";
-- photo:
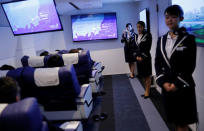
(140, 27)
(44, 53)
(7, 67)
(9, 91)
(129, 26)
(173, 16)
(74, 51)
(80, 49)
(55, 61)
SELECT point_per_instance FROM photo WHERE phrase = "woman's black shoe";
(142, 95)
(132, 77)
(145, 97)
(96, 117)
(103, 116)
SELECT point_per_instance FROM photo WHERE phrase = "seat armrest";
(84, 88)
(72, 126)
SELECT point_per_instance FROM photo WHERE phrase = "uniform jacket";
(179, 68)
(144, 46)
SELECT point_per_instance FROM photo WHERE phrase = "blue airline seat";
(24, 115)
(57, 90)
(82, 64)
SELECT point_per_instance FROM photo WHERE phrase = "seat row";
(62, 92)
(25, 115)
(87, 70)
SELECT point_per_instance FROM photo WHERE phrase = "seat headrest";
(21, 116)
(33, 61)
(53, 53)
(68, 58)
(74, 58)
(43, 78)
(71, 58)
(58, 76)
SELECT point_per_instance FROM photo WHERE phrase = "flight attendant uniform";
(143, 46)
(129, 47)
(174, 63)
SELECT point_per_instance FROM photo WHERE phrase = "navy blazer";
(180, 67)
(143, 48)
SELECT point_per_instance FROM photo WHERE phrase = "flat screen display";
(193, 18)
(94, 26)
(32, 16)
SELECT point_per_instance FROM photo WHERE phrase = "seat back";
(15, 74)
(22, 116)
(82, 63)
(55, 88)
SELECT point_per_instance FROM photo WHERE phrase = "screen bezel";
(31, 32)
(94, 14)
(147, 19)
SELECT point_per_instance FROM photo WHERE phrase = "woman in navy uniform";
(143, 42)
(129, 48)
(174, 63)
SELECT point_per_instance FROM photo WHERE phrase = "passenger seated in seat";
(44, 53)
(55, 61)
(80, 49)
(74, 51)
(7, 67)
(10, 93)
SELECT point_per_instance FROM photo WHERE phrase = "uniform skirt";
(129, 51)
(180, 106)
(144, 68)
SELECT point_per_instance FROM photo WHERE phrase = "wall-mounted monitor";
(144, 16)
(94, 26)
(32, 16)
(193, 18)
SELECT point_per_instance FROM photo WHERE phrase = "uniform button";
(184, 85)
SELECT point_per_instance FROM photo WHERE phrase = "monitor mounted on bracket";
(94, 26)
(32, 16)
(144, 16)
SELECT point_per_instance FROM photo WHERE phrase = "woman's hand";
(173, 87)
(169, 87)
(138, 58)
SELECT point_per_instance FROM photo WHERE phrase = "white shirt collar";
(169, 37)
(170, 44)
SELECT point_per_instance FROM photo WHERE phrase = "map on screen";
(94, 26)
(32, 16)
